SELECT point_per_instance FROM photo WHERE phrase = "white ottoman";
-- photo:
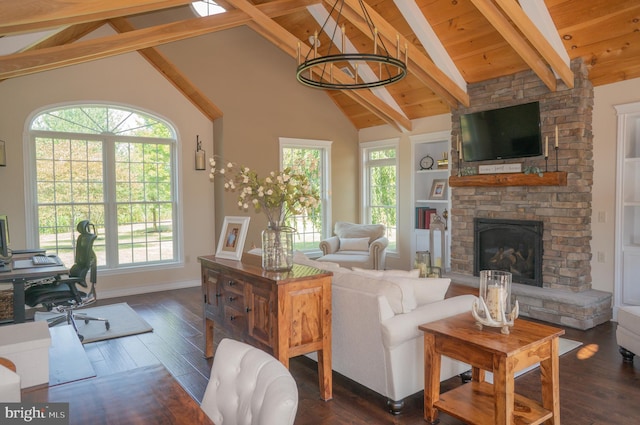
(628, 332)
(9, 386)
(27, 346)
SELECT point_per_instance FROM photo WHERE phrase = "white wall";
(604, 157)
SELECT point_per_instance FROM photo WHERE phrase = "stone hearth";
(566, 296)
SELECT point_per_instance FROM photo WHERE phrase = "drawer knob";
(231, 283)
(218, 294)
(232, 299)
(232, 318)
(248, 309)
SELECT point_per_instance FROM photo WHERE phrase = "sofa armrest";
(330, 245)
(403, 327)
(377, 251)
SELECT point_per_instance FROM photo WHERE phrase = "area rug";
(122, 318)
(564, 346)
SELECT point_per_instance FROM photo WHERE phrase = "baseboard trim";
(137, 290)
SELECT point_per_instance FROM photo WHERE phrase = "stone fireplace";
(562, 292)
(513, 246)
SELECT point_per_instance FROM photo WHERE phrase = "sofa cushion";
(300, 258)
(354, 244)
(399, 296)
(343, 229)
(430, 290)
(388, 273)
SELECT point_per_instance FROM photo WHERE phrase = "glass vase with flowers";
(280, 196)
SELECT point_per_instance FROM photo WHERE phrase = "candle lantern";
(423, 263)
(493, 306)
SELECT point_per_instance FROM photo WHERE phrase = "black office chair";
(63, 295)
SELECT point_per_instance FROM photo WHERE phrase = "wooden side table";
(482, 403)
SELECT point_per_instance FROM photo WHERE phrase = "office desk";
(18, 277)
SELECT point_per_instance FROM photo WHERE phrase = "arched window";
(113, 166)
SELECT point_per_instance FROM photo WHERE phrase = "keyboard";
(43, 260)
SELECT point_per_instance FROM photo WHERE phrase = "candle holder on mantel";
(494, 302)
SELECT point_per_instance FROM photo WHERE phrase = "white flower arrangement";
(280, 195)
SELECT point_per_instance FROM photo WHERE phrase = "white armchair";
(356, 245)
(249, 386)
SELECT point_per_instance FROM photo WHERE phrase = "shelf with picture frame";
(430, 187)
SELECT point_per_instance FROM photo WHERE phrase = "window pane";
(307, 161)
(381, 190)
(70, 180)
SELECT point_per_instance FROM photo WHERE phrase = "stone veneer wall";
(564, 210)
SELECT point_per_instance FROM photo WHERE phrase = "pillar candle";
(494, 301)
(546, 146)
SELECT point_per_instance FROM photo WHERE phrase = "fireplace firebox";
(510, 245)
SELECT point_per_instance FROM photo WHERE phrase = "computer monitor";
(4, 237)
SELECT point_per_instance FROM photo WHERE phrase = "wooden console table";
(479, 402)
(285, 314)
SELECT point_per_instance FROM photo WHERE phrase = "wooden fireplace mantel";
(557, 178)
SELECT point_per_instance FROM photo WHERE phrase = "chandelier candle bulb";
(375, 41)
(344, 36)
(556, 137)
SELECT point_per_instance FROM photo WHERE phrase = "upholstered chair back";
(249, 387)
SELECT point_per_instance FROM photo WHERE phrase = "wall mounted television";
(511, 132)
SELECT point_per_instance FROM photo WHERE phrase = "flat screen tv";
(511, 132)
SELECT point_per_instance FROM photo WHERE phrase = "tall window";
(113, 166)
(380, 176)
(310, 157)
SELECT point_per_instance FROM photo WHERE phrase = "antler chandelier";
(357, 70)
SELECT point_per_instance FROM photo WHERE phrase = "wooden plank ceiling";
(450, 43)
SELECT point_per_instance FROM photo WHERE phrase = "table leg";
(325, 375)
(550, 381)
(503, 391)
(208, 338)
(432, 362)
(18, 301)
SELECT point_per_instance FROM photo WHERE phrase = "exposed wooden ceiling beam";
(418, 64)
(515, 40)
(32, 15)
(66, 36)
(430, 41)
(513, 10)
(290, 44)
(83, 51)
(171, 73)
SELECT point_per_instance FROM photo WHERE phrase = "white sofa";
(375, 337)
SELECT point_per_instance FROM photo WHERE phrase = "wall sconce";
(200, 154)
(3, 155)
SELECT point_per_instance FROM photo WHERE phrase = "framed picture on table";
(439, 189)
(232, 236)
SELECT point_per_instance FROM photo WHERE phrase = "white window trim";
(30, 183)
(364, 176)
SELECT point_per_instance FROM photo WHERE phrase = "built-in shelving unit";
(557, 178)
(433, 145)
(627, 233)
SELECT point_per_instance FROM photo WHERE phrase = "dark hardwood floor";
(596, 386)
